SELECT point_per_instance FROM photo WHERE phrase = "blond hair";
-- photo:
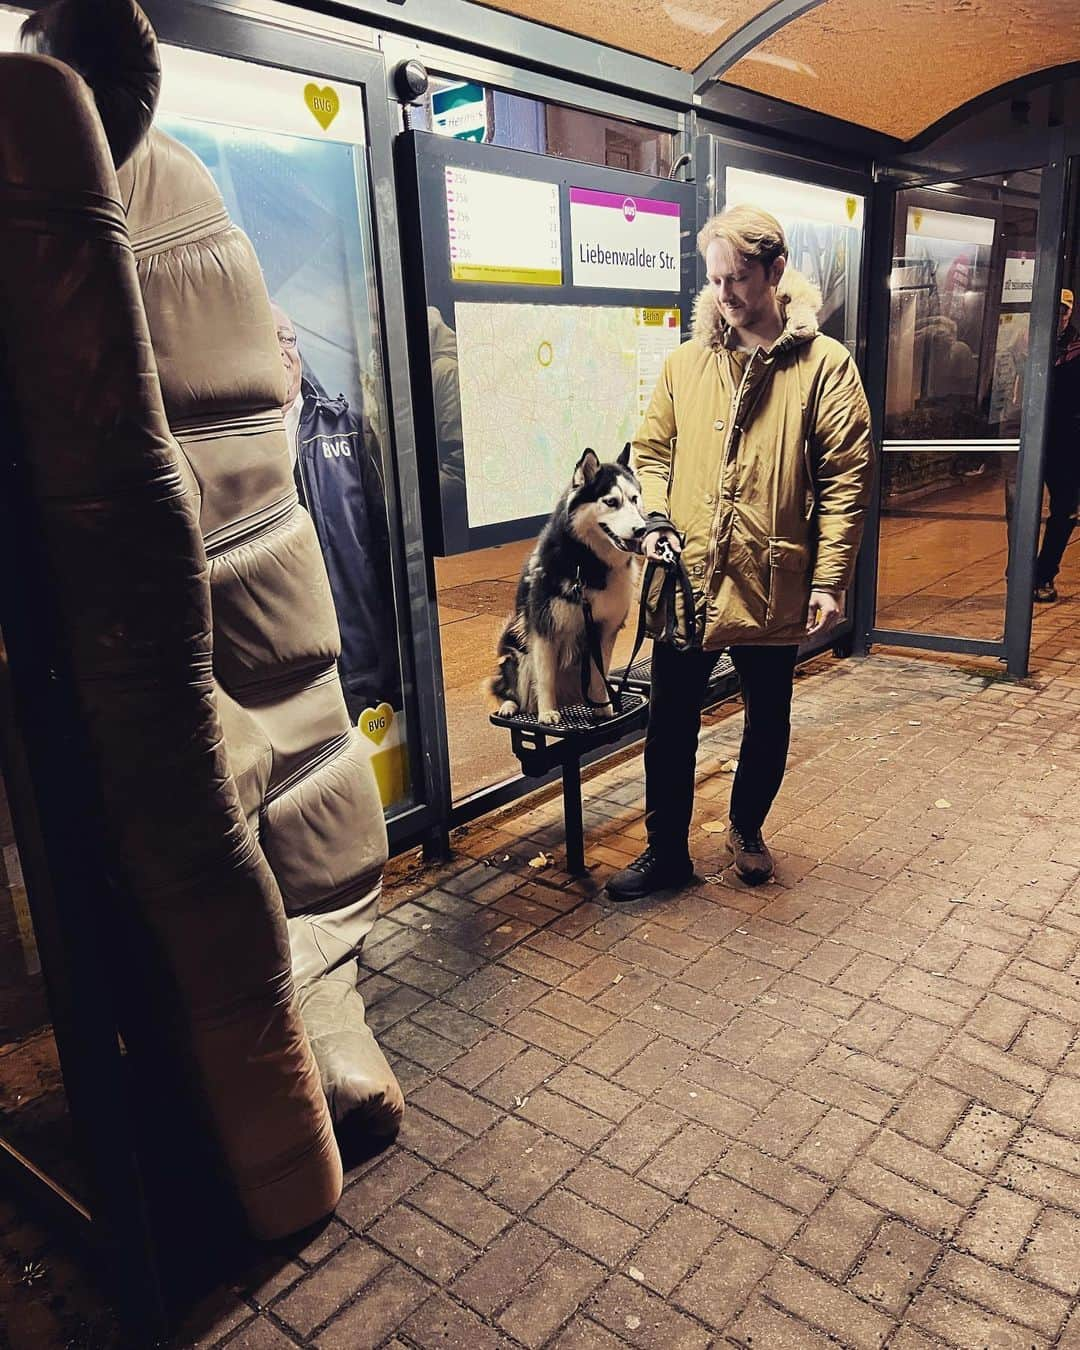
(750, 231)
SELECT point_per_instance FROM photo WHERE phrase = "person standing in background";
(1061, 469)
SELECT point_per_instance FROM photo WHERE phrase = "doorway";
(963, 353)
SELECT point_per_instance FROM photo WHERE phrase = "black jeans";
(678, 688)
(1060, 523)
(1063, 489)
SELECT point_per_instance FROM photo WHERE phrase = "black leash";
(676, 583)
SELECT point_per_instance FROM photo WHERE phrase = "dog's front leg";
(545, 662)
(598, 693)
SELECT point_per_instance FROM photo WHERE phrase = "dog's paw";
(549, 717)
(508, 709)
(602, 711)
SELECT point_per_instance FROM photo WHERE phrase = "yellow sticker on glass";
(324, 103)
(376, 722)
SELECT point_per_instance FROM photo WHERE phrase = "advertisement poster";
(624, 243)
(302, 200)
(1019, 279)
(1010, 361)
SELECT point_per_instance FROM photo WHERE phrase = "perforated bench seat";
(639, 676)
(579, 720)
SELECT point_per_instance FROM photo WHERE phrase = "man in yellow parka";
(755, 460)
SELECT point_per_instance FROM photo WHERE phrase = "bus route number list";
(503, 230)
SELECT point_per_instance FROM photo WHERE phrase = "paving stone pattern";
(842, 1109)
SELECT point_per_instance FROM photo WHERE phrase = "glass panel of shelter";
(960, 297)
(475, 590)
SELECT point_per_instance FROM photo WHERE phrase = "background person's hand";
(662, 546)
(825, 611)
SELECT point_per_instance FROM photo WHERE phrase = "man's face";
(1064, 315)
(745, 289)
(290, 355)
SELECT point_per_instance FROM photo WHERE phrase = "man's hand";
(662, 546)
(825, 612)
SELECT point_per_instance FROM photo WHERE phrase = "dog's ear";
(624, 458)
(586, 468)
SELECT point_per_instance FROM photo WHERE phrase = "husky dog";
(589, 550)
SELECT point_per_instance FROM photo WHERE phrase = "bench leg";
(572, 822)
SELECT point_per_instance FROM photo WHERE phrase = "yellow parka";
(763, 462)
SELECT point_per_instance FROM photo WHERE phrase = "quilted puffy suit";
(306, 806)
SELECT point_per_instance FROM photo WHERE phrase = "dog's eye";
(611, 501)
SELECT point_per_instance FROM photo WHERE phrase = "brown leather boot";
(753, 861)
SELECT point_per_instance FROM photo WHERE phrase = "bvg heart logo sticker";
(376, 722)
(324, 103)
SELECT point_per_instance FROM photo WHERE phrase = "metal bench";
(540, 748)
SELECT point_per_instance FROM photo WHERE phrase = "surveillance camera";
(410, 81)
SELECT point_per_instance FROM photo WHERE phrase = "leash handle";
(676, 582)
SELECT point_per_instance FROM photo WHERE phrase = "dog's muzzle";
(623, 545)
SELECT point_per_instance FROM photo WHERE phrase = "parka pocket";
(789, 584)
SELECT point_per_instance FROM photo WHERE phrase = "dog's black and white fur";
(590, 547)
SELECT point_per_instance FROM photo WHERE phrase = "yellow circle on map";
(545, 353)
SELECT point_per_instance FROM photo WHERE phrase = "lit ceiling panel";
(678, 32)
(900, 65)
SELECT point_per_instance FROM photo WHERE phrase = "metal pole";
(573, 823)
(1036, 408)
(881, 212)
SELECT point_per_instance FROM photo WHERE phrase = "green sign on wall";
(460, 111)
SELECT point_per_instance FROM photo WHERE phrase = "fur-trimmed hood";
(800, 301)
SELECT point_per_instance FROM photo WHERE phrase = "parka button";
(718, 425)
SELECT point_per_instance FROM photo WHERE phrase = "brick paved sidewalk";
(840, 1109)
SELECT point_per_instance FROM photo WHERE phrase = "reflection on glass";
(961, 285)
(33, 1105)
(960, 293)
(470, 111)
(943, 544)
(824, 233)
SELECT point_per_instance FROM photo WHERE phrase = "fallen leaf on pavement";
(729, 766)
(942, 804)
(636, 1274)
(541, 860)
(715, 827)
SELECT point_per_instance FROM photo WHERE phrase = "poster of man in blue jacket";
(336, 466)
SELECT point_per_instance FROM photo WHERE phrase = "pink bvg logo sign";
(607, 253)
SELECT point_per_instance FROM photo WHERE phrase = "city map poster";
(539, 384)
